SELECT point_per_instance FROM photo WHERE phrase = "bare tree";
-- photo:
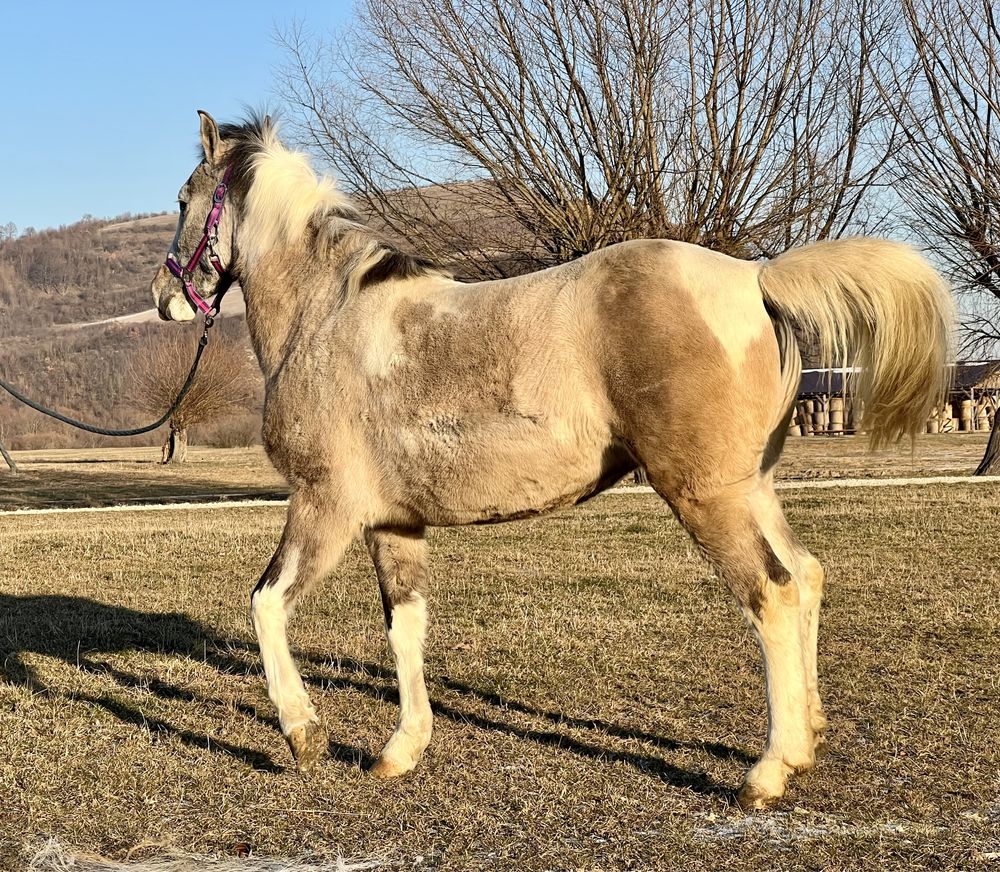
(950, 166)
(223, 385)
(512, 136)
(4, 453)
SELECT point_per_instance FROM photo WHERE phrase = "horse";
(398, 399)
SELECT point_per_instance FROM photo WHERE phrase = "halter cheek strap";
(208, 240)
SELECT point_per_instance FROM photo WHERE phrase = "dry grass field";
(101, 477)
(98, 477)
(597, 694)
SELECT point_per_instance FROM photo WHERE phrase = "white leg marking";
(270, 620)
(789, 735)
(788, 610)
(808, 576)
(413, 730)
(811, 590)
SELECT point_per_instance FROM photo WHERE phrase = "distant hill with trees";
(81, 272)
(51, 282)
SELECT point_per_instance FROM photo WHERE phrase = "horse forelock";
(282, 193)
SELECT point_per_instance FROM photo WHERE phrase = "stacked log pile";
(834, 416)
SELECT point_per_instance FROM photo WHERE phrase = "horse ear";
(211, 142)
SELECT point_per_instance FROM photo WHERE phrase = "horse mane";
(387, 263)
(282, 194)
(284, 198)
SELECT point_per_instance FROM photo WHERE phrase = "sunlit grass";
(597, 694)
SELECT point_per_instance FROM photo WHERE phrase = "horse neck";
(272, 306)
(286, 289)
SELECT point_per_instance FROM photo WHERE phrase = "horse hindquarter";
(701, 388)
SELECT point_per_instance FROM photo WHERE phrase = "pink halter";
(208, 240)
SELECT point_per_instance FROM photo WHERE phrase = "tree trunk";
(990, 464)
(176, 446)
(8, 458)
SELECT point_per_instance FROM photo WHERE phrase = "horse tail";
(878, 304)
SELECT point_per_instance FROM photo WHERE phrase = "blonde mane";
(285, 196)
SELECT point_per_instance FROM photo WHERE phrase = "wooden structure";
(823, 408)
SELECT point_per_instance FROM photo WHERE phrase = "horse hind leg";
(728, 534)
(808, 574)
(311, 544)
(400, 558)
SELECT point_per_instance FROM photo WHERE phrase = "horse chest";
(303, 433)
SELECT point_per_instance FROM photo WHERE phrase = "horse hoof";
(385, 767)
(751, 798)
(308, 744)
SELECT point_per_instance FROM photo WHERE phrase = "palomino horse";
(398, 398)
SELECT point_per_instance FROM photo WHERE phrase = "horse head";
(203, 249)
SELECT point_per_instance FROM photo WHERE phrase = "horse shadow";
(78, 631)
(380, 684)
(90, 483)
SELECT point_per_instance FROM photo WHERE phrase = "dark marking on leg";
(387, 607)
(776, 570)
(270, 576)
(751, 593)
(395, 596)
(749, 585)
(400, 565)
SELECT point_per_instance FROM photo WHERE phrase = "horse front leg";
(314, 540)
(400, 558)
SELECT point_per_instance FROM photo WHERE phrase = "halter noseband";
(208, 240)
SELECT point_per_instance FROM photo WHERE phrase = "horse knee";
(787, 595)
(775, 586)
(810, 582)
(734, 542)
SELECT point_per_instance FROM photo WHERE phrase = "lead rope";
(104, 431)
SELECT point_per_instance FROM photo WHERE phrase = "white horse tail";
(879, 305)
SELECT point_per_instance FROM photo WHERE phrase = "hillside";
(83, 272)
(53, 286)
(75, 311)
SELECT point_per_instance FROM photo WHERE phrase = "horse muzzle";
(170, 299)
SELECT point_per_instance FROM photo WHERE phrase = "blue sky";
(99, 98)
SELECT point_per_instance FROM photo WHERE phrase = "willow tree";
(223, 385)
(507, 136)
(950, 162)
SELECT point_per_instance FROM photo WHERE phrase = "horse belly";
(504, 470)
